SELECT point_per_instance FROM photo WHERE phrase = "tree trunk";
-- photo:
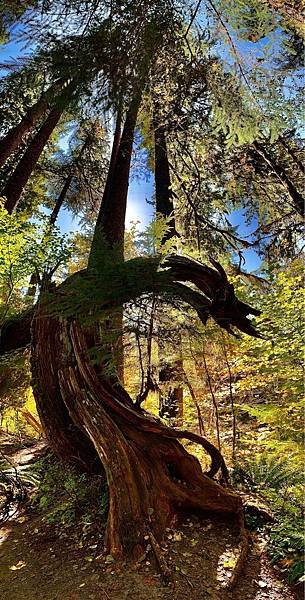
(23, 171)
(53, 217)
(171, 397)
(111, 218)
(110, 224)
(15, 136)
(295, 196)
(69, 442)
(164, 195)
(151, 477)
(60, 200)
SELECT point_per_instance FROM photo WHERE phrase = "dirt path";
(38, 563)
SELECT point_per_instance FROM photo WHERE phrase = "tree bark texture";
(69, 442)
(12, 140)
(150, 475)
(24, 169)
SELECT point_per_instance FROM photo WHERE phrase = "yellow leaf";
(20, 564)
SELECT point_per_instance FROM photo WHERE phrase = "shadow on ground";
(40, 563)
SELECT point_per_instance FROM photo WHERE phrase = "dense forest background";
(162, 359)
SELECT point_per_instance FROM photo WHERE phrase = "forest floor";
(43, 562)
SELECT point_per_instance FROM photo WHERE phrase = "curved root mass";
(151, 476)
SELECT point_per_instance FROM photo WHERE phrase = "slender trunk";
(53, 217)
(171, 398)
(164, 196)
(233, 412)
(194, 398)
(22, 173)
(282, 176)
(12, 140)
(215, 405)
(60, 200)
(110, 224)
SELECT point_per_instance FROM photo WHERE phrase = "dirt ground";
(39, 561)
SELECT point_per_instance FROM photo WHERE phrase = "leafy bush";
(279, 481)
(67, 497)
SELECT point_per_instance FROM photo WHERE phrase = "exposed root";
(164, 569)
(244, 549)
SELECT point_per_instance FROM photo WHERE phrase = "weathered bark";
(68, 441)
(171, 397)
(150, 475)
(23, 171)
(295, 196)
(12, 140)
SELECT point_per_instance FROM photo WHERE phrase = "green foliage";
(251, 19)
(280, 482)
(266, 471)
(66, 497)
(25, 248)
(272, 369)
(272, 386)
(16, 252)
(10, 12)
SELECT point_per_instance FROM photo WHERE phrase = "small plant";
(279, 481)
(67, 497)
(266, 471)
